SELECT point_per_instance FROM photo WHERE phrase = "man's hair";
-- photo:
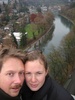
(11, 52)
(36, 55)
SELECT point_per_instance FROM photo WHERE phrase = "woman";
(38, 84)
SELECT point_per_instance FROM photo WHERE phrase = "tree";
(38, 9)
(58, 66)
(69, 49)
(0, 10)
(32, 17)
(34, 36)
(23, 41)
(39, 21)
(49, 18)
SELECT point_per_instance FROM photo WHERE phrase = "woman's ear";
(46, 71)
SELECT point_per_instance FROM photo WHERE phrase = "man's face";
(35, 74)
(12, 76)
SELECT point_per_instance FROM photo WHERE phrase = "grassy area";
(31, 29)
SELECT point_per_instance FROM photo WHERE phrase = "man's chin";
(14, 94)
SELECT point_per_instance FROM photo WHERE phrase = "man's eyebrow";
(10, 71)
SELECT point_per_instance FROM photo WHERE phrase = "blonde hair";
(8, 52)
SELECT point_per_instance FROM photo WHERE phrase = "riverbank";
(67, 18)
(38, 40)
(70, 83)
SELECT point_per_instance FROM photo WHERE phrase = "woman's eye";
(38, 73)
(28, 74)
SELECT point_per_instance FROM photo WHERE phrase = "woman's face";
(35, 74)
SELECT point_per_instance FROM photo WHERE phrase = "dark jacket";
(4, 96)
(49, 91)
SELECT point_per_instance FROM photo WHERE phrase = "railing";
(73, 96)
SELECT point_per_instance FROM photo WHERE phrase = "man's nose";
(18, 79)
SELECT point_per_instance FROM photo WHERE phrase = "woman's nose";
(33, 78)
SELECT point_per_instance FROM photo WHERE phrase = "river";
(62, 28)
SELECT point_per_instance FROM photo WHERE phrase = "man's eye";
(10, 74)
(21, 73)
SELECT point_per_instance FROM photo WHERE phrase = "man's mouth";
(16, 88)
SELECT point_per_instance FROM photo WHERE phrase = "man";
(11, 73)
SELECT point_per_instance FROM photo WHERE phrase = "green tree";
(34, 36)
(23, 41)
(38, 9)
(58, 66)
(69, 49)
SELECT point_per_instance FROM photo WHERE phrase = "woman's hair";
(36, 55)
(11, 52)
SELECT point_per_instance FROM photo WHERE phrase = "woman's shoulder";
(58, 92)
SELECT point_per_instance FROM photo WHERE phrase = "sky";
(1, 1)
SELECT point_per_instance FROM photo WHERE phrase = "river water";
(62, 28)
